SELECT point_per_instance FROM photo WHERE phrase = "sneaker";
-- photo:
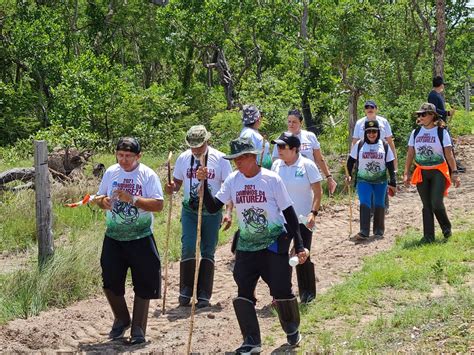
(203, 304)
(426, 240)
(248, 349)
(118, 329)
(294, 339)
(360, 236)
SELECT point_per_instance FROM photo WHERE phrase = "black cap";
(128, 144)
(438, 81)
(371, 125)
(289, 139)
(370, 103)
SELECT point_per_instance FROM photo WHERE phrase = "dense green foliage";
(86, 72)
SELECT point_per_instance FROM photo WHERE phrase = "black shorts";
(141, 256)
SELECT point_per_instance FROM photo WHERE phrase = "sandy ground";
(84, 326)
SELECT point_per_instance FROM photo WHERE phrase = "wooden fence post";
(44, 216)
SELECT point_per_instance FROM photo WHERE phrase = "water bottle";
(294, 259)
(303, 220)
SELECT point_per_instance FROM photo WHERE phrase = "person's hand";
(456, 180)
(303, 255)
(347, 179)
(226, 221)
(311, 221)
(201, 173)
(105, 203)
(406, 180)
(393, 190)
(123, 195)
(169, 188)
(331, 185)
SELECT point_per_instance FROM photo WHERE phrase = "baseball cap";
(289, 139)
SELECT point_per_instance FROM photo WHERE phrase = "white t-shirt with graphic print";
(298, 178)
(309, 143)
(428, 149)
(384, 125)
(257, 139)
(371, 160)
(218, 169)
(125, 221)
(259, 202)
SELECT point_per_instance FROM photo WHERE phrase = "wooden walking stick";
(168, 229)
(350, 202)
(198, 251)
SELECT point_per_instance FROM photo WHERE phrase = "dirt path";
(84, 325)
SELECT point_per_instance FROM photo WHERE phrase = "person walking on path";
(133, 191)
(430, 147)
(373, 158)
(303, 182)
(262, 205)
(436, 98)
(252, 120)
(185, 174)
(309, 148)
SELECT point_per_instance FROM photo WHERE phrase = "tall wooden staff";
(198, 252)
(168, 229)
(350, 202)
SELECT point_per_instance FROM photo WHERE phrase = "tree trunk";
(188, 69)
(440, 45)
(353, 99)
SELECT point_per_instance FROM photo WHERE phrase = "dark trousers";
(141, 256)
(431, 191)
(273, 268)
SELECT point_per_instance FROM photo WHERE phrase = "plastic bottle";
(293, 261)
(113, 196)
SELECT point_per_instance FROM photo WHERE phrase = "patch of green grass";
(375, 309)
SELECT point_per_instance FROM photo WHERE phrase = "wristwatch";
(134, 200)
(314, 212)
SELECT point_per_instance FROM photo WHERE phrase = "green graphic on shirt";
(125, 222)
(249, 240)
(191, 204)
(425, 156)
(372, 173)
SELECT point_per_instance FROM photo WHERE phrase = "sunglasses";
(371, 131)
(423, 114)
(369, 106)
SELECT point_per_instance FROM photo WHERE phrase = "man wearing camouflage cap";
(199, 152)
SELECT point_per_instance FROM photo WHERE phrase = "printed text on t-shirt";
(250, 195)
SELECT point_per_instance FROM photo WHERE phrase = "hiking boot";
(248, 349)
(294, 339)
(447, 234)
(121, 314)
(203, 304)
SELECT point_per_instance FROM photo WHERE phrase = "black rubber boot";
(443, 221)
(248, 323)
(289, 315)
(205, 283)
(186, 281)
(428, 226)
(121, 314)
(364, 222)
(379, 222)
(306, 281)
(139, 320)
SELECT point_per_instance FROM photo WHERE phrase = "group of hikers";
(276, 196)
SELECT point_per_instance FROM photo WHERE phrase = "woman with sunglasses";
(302, 180)
(433, 160)
(372, 157)
(310, 147)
